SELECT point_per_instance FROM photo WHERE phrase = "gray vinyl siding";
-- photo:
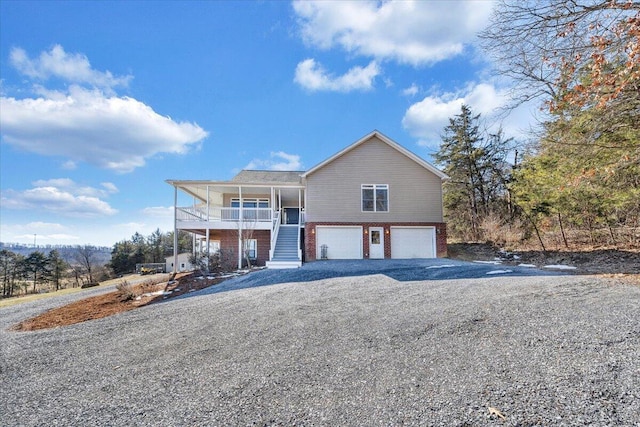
(334, 191)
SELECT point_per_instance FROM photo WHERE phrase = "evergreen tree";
(121, 258)
(10, 269)
(154, 242)
(585, 176)
(476, 164)
(36, 267)
(57, 267)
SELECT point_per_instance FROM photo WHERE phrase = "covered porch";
(203, 207)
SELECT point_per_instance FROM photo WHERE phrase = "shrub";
(90, 285)
(126, 290)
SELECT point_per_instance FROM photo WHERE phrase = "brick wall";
(229, 246)
(310, 236)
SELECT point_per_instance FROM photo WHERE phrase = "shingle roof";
(266, 177)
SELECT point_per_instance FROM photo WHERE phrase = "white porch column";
(208, 237)
(272, 201)
(208, 207)
(280, 204)
(208, 230)
(175, 229)
(240, 220)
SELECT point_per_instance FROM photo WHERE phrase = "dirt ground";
(623, 265)
(115, 302)
(598, 261)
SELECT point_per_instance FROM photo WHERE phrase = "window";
(251, 248)
(251, 206)
(375, 198)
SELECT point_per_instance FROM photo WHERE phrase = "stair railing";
(275, 229)
(298, 239)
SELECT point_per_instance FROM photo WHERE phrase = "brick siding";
(229, 246)
(310, 236)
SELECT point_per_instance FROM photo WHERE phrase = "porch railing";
(192, 213)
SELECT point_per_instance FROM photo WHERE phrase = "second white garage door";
(413, 242)
(342, 242)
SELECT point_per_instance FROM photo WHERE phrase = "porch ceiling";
(199, 189)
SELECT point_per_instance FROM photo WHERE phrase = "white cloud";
(411, 32)
(428, 118)
(41, 232)
(40, 225)
(311, 75)
(72, 67)
(69, 165)
(158, 211)
(87, 126)
(279, 161)
(87, 121)
(73, 187)
(411, 90)
(43, 238)
(110, 187)
(60, 196)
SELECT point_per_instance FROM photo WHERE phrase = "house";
(181, 265)
(374, 199)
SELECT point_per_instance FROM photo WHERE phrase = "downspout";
(175, 229)
(299, 222)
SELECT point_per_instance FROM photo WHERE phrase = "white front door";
(376, 242)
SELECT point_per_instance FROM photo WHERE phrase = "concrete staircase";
(285, 254)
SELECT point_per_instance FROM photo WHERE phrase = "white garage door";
(413, 242)
(342, 242)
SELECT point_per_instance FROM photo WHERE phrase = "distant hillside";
(67, 252)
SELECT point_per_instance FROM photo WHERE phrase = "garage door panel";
(412, 242)
(342, 242)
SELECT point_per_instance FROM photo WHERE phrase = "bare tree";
(567, 51)
(85, 257)
(244, 233)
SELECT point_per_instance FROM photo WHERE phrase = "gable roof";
(262, 176)
(419, 160)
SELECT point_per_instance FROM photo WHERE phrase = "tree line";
(33, 272)
(140, 249)
(578, 182)
(83, 265)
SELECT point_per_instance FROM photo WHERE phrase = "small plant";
(126, 290)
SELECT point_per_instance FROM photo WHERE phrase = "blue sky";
(102, 101)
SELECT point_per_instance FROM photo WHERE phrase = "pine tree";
(57, 267)
(476, 163)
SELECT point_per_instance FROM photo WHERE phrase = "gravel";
(369, 344)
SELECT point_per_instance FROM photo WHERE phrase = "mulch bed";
(115, 302)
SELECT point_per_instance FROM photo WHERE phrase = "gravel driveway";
(390, 348)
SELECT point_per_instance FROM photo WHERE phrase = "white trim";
(374, 187)
(381, 230)
(391, 144)
(248, 243)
